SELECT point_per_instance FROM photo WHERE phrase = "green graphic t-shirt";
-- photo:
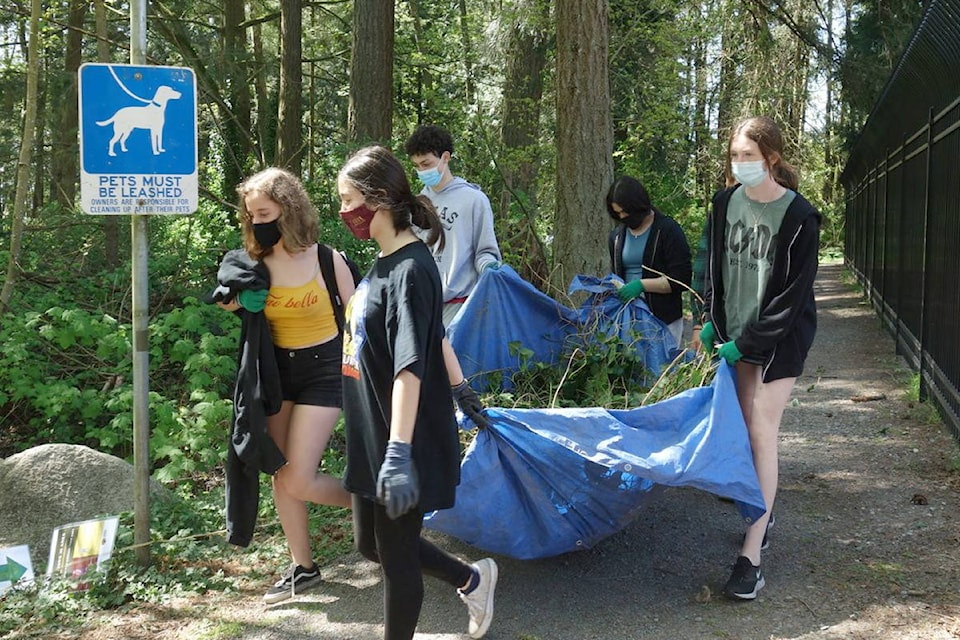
(750, 241)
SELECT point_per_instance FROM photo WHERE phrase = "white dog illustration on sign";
(148, 117)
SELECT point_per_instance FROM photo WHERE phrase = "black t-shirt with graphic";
(395, 322)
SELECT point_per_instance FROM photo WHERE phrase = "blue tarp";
(540, 482)
(505, 309)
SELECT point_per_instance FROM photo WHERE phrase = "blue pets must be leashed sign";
(138, 139)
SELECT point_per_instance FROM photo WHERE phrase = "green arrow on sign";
(12, 571)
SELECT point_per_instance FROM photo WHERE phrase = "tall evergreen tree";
(584, 139)
(370, 111)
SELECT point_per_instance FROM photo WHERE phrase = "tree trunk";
(728, 79)
(63, 167)
(370, 110)
(467, 53)
(266, 129)
(290, 109)
(584, 139)
(706, 180)
(236, 119)
(111, 226)
(424, 80)
(799, 91)
(829, 179)
(39, 160)
(23, 162)
(798, 108)
(520, 136)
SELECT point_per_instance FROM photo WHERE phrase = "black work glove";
(469, 402)
(398, 486)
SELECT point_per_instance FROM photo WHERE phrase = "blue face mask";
(749, 174)
(430, 177)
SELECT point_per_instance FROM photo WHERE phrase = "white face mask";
(749, 174)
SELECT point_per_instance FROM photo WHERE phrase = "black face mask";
(634, 220)
(266, 234)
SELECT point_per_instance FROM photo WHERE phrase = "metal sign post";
(138, 156)
(140, 230)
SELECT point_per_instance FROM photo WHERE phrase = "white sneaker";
(480, 601)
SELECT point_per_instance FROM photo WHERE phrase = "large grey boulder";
(55, 484)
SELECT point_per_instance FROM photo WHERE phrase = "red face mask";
(358, 221)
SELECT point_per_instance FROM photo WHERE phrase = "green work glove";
(253, 300)
(729, 352)
(491, 266)
(631, 290)
(708, 337)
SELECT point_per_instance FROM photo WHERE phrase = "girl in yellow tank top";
(279, 226)
(300, 316)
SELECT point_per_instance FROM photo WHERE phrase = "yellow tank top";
(300, 316)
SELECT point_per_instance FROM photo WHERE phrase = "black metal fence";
(903, 206)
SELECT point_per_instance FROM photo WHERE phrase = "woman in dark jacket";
(763, 240)
(650, 252)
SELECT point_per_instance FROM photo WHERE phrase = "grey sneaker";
(294, 581)
(745, 581)
(480, 601)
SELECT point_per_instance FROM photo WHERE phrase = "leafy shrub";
(597, 369)
(64, 377)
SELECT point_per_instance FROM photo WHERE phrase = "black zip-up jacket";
(782, 334)
(667, 251)
(257, 395)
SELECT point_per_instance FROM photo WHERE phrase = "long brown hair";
(766, 133)
(379, 177)
(298, 216)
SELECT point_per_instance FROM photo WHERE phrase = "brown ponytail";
(786, 175)
(424, 215)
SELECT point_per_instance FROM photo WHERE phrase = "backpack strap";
(325, 255)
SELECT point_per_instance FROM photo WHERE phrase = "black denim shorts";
(312, 375)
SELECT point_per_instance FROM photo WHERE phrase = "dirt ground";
(866, 542)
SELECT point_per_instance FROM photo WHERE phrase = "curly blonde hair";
(298, 216)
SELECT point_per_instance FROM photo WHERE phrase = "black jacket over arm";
(784, 331)
(668, 252)
(257, 395)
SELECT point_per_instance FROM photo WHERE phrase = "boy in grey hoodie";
(466, 215)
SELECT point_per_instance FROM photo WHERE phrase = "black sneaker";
(766, 534)
(294, 581)
(745, 581)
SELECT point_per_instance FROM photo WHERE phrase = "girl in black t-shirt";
(403, 453)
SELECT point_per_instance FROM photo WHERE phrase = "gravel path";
(866, 542)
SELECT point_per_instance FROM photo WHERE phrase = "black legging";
(403, 557)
